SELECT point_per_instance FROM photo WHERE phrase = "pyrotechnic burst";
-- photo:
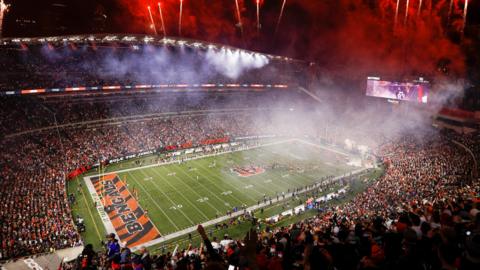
(407, 6)
(258, 15)
(151, 20)
(450, 10)
(280, 16)
(161, 19)
(3, 9)
(465, 11)
(180, 18)
(419, 8)
(239, 17)
(395, 20)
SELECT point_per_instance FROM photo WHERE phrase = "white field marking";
(294, 179)
(181, 194)
(172, 174)
(204, 199)
(285, 175)
(199, 157)
(280, 186)
(107, 223)
(155, 202)
(192, 169)
(147, 178)
(201, 183)
(86, 203)
(228, 192)
(189, 187)
(166, 196)
(248, 187)
(223, 218)
(228, 183)
(261, 186)
(176, 207)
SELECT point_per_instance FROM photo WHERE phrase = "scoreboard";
(414, 91)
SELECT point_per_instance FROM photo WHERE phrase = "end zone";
(119, 210)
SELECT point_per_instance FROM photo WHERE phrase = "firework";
(161, 19)
(239, 17)
(258, 15)
(395, 20)
(180, 18)
(465, 11)
(419, 7)
(406, 13)
(151, 20)
(280, 16)
(450, 12)
(3, 10)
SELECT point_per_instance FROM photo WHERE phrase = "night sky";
(342, 36)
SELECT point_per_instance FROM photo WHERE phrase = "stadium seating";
(423, 213)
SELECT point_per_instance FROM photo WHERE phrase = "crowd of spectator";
(426, 199)
(60, 66)
(35, 216)
(423, 213)
(23, 114)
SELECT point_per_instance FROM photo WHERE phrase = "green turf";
(175, 199)
(238, 231)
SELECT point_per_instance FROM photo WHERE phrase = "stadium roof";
(130, 40)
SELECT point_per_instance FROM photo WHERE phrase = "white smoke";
(232, 63)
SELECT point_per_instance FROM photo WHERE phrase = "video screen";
(416, 91)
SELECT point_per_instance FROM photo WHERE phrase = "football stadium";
(181, 134)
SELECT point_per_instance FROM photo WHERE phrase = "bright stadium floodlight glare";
(148, 39)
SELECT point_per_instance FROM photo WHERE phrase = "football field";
(172, 197)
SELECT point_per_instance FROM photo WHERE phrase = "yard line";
(90, 212)
(156, 204)
(228, 183)
(215, 185)
(265, 186)
(166, 196)
(278, 177)
(295, 177)
(181, 194)
(293, 174)
(197, 157)
(181, 180)
(235, 179)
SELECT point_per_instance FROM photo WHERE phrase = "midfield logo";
(247, 171)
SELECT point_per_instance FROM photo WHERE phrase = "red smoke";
(350, 38)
